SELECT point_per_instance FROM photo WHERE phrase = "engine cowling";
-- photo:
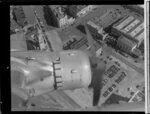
(42, 72)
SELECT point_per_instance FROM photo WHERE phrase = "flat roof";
(55, 40)
(18, 41)
(65, 36)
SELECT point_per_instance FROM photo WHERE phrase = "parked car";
(122, 53)
(108, 57)
(117, 63)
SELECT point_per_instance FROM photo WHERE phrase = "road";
(110, 51)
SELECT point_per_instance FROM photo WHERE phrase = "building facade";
(126, 45)
(86, 10)
(96, 31)
(65, 21)
(131, 26)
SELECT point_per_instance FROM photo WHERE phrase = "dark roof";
(54, 39)
(65, 36)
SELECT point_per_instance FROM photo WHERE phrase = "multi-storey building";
(61, 18)
(86, 9)
(132, 27)
(98, 24)
(76, 40)
(108, 18)
(125, 44)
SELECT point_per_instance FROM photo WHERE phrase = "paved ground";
(113, 53)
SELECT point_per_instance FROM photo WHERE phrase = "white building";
(86, 10)
(63, 22)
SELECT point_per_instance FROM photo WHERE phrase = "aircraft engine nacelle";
(35, 72)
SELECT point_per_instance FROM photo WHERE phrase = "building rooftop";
(131, 26)
(109, 17)
(65, 36)
(55, 40)
(18, 41)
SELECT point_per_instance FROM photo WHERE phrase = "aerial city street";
(112, 34)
